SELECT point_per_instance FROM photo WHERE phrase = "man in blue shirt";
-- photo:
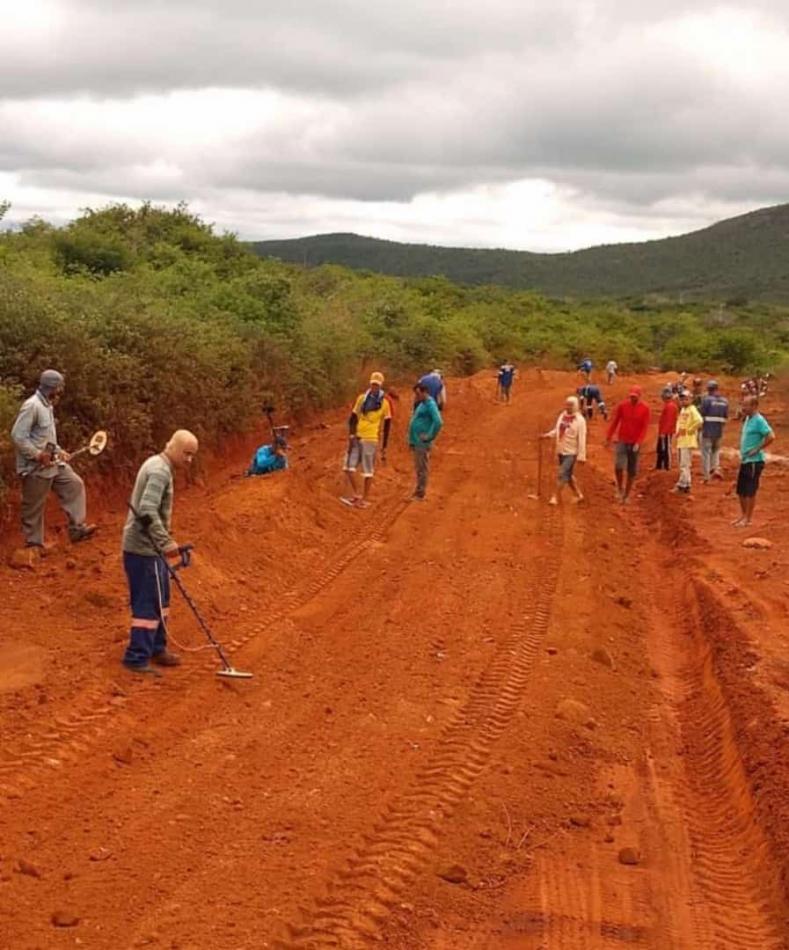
(714, 410)
(506, 376)
(434, 382)
(586, 366)
(755, 437)
(425, 425)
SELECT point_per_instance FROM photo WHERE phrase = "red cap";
(635, 391)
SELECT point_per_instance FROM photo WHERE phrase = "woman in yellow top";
(689, 423)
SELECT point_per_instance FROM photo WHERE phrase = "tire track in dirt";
(362, 894)
(67, 738)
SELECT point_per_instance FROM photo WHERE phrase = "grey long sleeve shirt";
(152, 495)
(33, 430)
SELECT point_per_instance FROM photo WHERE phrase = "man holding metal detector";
(43, 465)
(148, 552)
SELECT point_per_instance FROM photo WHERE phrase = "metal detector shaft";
(179, 584)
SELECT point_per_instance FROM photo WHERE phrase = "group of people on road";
(690, 420)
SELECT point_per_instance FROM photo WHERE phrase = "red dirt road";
(465, 714)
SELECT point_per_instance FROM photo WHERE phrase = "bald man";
(43, 466)
(146, 570)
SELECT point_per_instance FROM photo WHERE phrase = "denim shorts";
(361, 453)
(566, 466)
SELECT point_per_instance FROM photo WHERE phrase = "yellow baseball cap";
(377, 378)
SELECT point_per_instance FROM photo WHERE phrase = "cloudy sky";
(534, 124)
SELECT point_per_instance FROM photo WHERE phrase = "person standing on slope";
(689, 423)
(629, 424)
(364, 427)
(756, 435)
(425, 425)
(715, 413)
(43, 465)
(506, 377)
(585, 367)
(570, 435)
(667, 427)
(145, 535)
(611, 369)
(434, 381)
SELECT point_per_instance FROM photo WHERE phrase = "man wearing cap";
(689, 423)
(715, 413)
(43, 465)
(364, 427)
(629, 424)
(667, 427)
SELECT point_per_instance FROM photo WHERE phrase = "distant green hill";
(742, 258)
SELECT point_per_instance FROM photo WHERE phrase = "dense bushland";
(157, 322)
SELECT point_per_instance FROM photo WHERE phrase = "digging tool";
(279, 434)
(228, 671)
(539, 465)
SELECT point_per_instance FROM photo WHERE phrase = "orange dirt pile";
(477, 722)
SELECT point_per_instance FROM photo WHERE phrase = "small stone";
(571, 710)
(629, 856)
(123, 756)
(609, 838)
(760, 544)
(603, 657)
(454, 874)
(580, 821)
(62, 918)
(551, 651)
(70, 564)
(25, 867)
(100, 854)
(625, 602)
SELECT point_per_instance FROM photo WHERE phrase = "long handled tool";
(279, 434)
(97, 444)
(228, 671)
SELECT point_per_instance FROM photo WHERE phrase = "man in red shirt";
(631, 421)
(667, 426)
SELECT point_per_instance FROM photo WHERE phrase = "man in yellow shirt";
(364, 427)
(689, 423)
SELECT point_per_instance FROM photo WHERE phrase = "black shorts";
(748, 479)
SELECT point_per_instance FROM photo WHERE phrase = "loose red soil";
(477, 722)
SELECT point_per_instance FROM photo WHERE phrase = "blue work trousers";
(149, 596)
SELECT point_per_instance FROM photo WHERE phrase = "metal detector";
(279, 434)
(228, 671)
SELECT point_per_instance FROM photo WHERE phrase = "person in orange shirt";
(667, 426)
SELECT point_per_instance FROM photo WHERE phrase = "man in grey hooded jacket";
(43, 465)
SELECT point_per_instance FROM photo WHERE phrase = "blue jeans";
(149, 597)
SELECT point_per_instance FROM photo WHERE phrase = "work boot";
(165, 658)
(81, 532)
(144, 668)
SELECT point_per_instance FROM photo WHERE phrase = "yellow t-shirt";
(688, 424)
(369, 424)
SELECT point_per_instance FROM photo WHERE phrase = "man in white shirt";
(570, 435)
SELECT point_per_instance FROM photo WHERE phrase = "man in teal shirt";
(425, 425)
(755, 437)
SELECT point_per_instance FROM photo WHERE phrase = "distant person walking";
(43, 466)
(506, 377)
(611, 369)
(364, 428)
(689, 423)
(585, 367)
(436, 388)
(715, 413)
(425, 425)
(755, 436)
(667, 427)
(629, 425)
(570, 435)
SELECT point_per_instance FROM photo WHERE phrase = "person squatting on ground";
(755, 436)
(629, 425)
(689, 423)
(43, 465)
(425, 425)
(667, 426)
(436, 387)
(364, 428)
(146, 570)
(611, 369)
(269, 458)
(715, 412)
(590, 396)
(570, 435)
(505, 377)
